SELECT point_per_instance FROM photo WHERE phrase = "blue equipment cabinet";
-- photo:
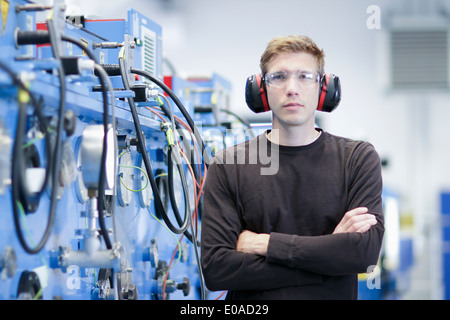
(66, 120)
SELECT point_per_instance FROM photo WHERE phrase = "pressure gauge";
(5, 157)
(91, 156)
(80, 188)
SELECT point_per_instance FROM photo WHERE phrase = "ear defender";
(329, 93)
(255, 94)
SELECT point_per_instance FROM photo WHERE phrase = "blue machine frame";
(146, 260)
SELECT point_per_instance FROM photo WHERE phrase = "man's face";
(294, 103)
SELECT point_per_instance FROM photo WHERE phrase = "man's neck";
(293, 136)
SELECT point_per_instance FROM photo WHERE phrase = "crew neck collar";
(315, 142)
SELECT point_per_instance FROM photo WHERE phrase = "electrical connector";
(167, 128)
(107, 45)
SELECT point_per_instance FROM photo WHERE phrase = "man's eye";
(278, 76)
(305, 76)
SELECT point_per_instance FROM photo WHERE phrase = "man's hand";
(356, 220)
(251, 242)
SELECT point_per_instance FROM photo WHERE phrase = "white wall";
(411, 130)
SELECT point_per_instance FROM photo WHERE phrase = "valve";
(170, 285)
(185, 286)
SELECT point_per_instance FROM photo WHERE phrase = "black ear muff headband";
(329, 93)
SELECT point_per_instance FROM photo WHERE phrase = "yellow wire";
(134, 167)
(124, 166)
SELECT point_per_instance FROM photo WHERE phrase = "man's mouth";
(293, 105)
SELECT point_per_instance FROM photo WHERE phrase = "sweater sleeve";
(225, 268)
(339, 254)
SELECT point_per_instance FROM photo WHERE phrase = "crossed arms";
(356, 220)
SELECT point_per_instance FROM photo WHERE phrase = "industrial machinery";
(102, 164)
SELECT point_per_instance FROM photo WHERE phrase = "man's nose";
(292, 86)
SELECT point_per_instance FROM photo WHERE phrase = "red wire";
(197, 195)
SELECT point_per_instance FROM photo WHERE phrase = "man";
(307, 230)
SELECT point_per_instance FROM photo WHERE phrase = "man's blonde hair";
(289, 44)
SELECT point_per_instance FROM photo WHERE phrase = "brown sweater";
(299, 203)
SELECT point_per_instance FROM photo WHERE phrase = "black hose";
(41, 37)
(55, 160)
(188, 118)
(169, 114)
(173, 200)
(102, 177)
(102, 75)
(159, 207)
(19, 192)
(180, 106)
(81, 45)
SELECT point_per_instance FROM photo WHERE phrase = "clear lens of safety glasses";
(279, 79)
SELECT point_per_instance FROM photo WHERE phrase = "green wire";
(134, 167)
(126, 187)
